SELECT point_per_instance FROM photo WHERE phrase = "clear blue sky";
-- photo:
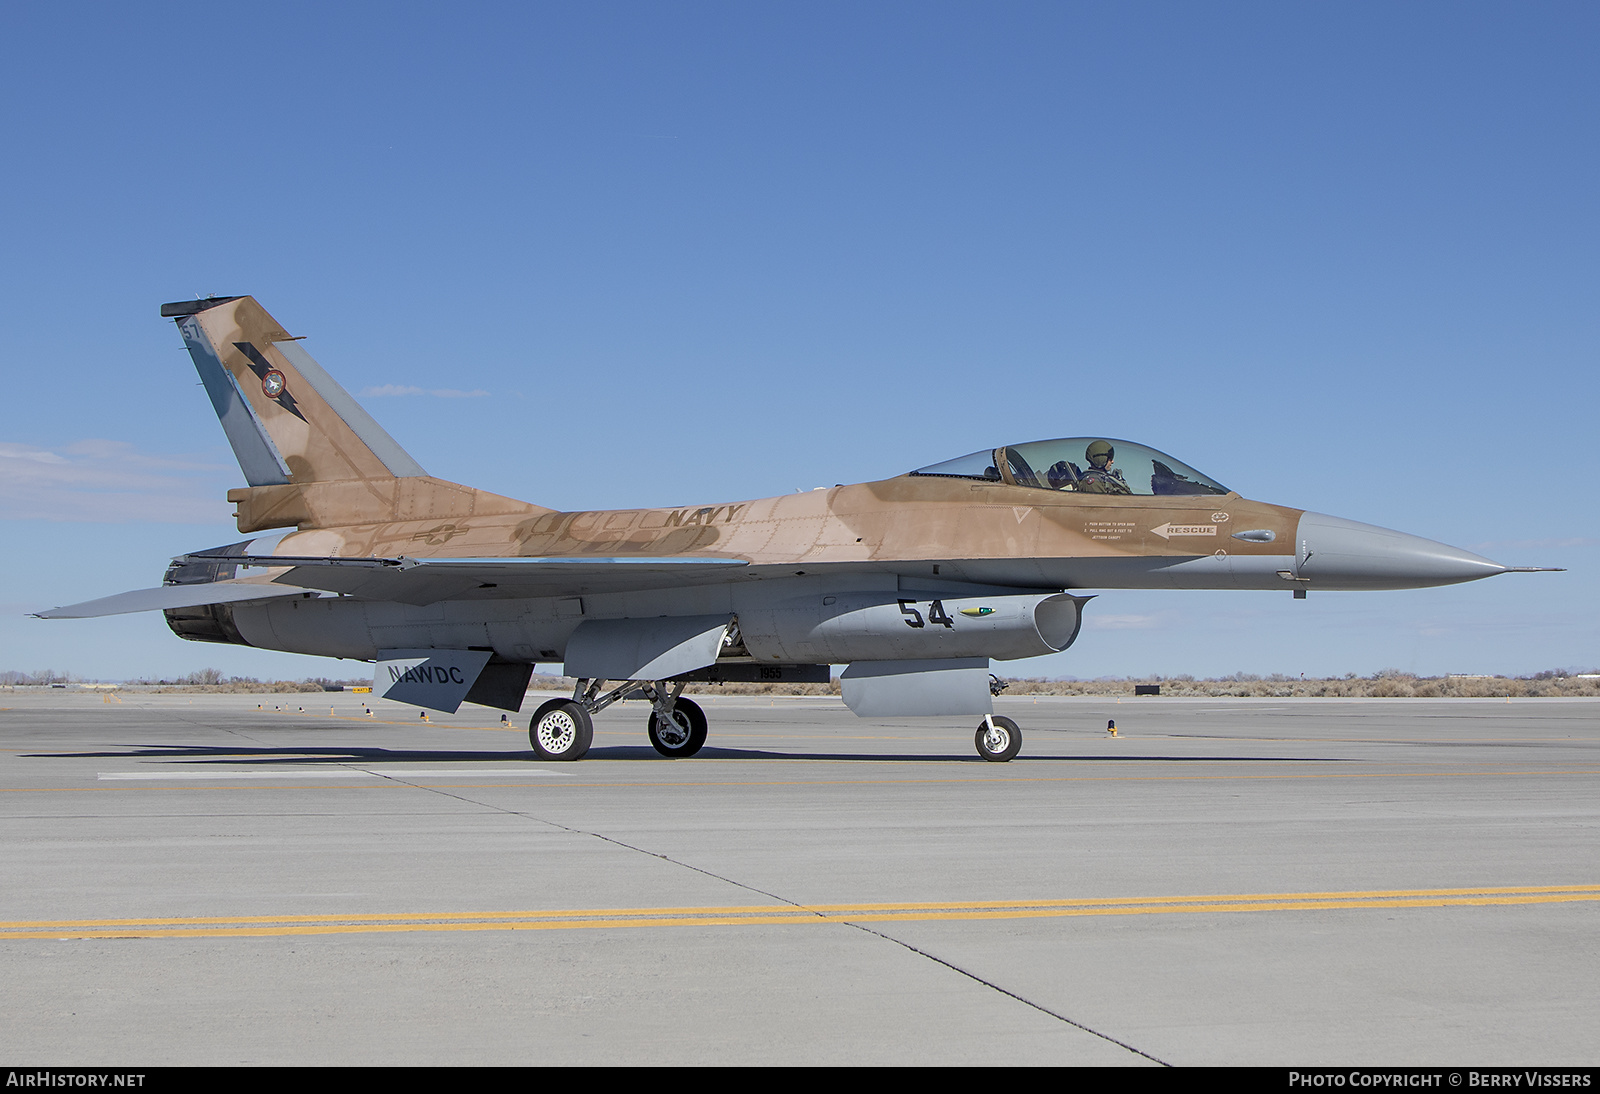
(1341, 257)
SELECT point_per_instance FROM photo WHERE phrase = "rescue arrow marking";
(1167, 531)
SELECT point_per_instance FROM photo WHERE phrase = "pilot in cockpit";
(1102, 478)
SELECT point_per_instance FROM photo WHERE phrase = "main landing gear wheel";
(998, 739)
(561, 730)
(682, 734)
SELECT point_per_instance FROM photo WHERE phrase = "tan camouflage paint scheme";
(345, 502)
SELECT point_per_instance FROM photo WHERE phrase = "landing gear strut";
(998, 739)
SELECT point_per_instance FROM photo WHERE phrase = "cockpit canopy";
(1084, 465)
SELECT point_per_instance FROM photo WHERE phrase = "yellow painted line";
(781, 914)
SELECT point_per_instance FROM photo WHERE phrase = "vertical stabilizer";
(287, 420)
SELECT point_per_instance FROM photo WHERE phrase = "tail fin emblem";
(272, 381)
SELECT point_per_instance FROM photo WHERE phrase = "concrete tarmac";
(194, 880)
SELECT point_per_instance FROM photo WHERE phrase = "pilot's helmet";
(1099, 453)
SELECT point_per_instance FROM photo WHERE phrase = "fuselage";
(864, 549)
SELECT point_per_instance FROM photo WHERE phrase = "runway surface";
(191, 879)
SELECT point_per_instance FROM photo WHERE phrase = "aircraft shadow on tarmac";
(948, 758)
(202, 756)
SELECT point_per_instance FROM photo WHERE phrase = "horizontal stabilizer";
(171, 596)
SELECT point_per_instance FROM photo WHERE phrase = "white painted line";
(329, 773)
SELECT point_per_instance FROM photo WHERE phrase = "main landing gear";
(563, 729)
(680, 732)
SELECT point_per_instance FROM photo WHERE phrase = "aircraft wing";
(172, 596)
(429, 580)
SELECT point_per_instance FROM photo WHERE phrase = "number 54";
(936, 614)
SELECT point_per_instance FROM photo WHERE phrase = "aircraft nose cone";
(1334, 553)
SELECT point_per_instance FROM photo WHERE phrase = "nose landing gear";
(998, 739)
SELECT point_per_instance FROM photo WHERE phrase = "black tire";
(560, 730)
(685, 736)
(1001, 743)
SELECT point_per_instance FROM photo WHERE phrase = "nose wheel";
(998, 739)
(680, 732)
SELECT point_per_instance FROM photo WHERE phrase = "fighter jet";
(916, 582)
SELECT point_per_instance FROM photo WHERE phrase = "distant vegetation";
(205, 680)
(1388, 684)
(42, 678)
